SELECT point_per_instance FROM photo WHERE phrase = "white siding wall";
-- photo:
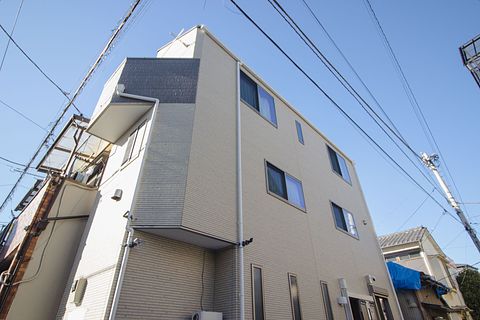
(103, 244)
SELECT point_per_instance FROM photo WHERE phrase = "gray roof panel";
(402, 237)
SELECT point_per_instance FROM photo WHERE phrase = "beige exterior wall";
(44, 279)
(210, 203)
(162, 279)
(286, 239)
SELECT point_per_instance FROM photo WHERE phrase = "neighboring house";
(213, 183)
(420, 296)
(416, 249)
(38, 247)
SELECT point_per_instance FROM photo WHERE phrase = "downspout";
(119, 90)
(241, 275)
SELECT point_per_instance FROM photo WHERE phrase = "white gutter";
(119, 90)
(241, 275)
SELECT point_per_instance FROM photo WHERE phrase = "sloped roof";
(402, 237)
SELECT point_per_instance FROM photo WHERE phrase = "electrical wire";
(22, 115)
(413, 213)
(38, 67)
(410, 94)
(11, 34)
(455, 273)
(44, 250)
(70, 103)
(57, 214)
(12, 162)
(315, 17)
(343, 81)
(367, 89)
(342, 111)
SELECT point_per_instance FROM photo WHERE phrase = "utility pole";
(429, 161)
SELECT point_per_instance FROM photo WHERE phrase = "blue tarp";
(404, 278)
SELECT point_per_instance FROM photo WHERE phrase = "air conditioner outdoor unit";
(207, 315)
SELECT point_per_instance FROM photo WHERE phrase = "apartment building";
(217, 196)
(417, 249)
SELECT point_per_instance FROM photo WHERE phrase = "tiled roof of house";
(402, 237)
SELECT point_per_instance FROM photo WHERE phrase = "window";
(344, 220)
(299, 131)
(339, 165)
(257, 98)
(402, 255)
(285, 186)
(257, 285)
(294, 297)
(326, 300)
(134, 143)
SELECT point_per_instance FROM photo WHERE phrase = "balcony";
(470, 53)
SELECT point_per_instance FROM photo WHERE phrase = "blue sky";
(65, 37)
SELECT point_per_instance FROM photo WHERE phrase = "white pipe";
(241, 276)
(113, 310)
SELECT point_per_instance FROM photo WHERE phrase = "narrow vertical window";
(139, 140)
(130, 143)
(344, 220)
(294, 297)
(295, 191)
(299, 132)
(339, 165)
(257, 279)
(339, 217)
(248, 91)
(276, 181)
(326, 301)
(267, 105)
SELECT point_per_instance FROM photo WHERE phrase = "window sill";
(341, 177)
(258, 112)
(304, 210)
(347, 233)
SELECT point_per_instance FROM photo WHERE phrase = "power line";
(13, 162)
(82, 85)
(343, 112)
(11, 33)
(351, 67)
(455, 273)
(344, 82)
(414, 212)
(38, 68)
(354, 93)
(409, 92)
(377, 103)
(23, 115)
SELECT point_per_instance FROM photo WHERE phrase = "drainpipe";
(241, 276)
(119, 90)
